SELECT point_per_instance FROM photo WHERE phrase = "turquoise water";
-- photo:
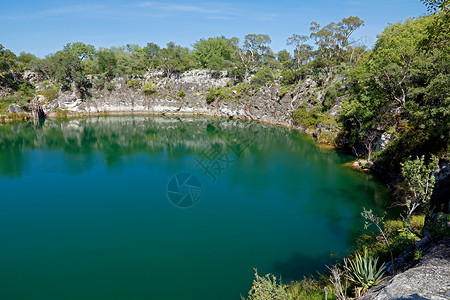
(154, 207)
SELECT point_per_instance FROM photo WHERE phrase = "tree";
(174, 59)
(28, 61)
(420, 182)
(284, 57)
(394, 58)
(438, 33)
(257, 47)
(7, 59)
(107, 62)
(151, 53)
(333, 39)
(67, 64)
(302, 51)
(213, 53)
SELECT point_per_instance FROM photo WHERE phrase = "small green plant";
(61, 113)
(98, 82)
(50, 92)
(16, 116)
(149, 88)
(363, 271)
(378, 222)
(307, 118)
(330, 95)
(211, 96)
(417, 253)
(135, 84)
(267, 288)
(110, 86)
(181, 94)
(263, 77)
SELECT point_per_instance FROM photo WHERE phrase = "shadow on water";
(300, 265)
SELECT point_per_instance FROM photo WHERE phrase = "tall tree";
(7, 61)
(257, 47)
(333, 39)
(302, 51)
(213, 53)
(175, 59)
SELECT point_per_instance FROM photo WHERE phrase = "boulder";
(14, 108)
(429, 279)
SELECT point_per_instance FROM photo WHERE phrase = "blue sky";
(45, 26)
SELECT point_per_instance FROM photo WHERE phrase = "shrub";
(135, 84)
(262, 77)
(329, 97)
(98, 82)
(306, 118)
(181, 94)
(50, 92)
(149, 88)
(61, 113)
(267, 288)
(110, 86)
(211, 96)
(289, 77)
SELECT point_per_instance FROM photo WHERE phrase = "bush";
(289, 77)
(149, 88)
(305, 118)
(98, 82)
(267, 288)
(50, 92)
(181, 94)
(110, 86)
(211, 96)
(262, 77)
(331, 94)
(135, 84)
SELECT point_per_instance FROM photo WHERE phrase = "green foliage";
(438, 226)
(307, 118)
(420, 181)
(181, 94)
(28, 61)
(16, 116)
(214, 53)
(110, 86)
(149, 88)
(7, 59)
(363, 270)
(98, 82)
(331, 94)
(211, 96)
(289, 77)
(267, 288)
(51, 92)
(61, 113)
(134, 83)
(263, 76)
(175, 59)
(107, 62)
(333, 40)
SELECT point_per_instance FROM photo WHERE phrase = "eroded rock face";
(429, 279)
(266, 105)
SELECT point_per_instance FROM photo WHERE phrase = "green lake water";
(155, 207)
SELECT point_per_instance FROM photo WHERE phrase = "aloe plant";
(363, 270)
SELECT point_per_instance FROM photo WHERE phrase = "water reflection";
(95, 189)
